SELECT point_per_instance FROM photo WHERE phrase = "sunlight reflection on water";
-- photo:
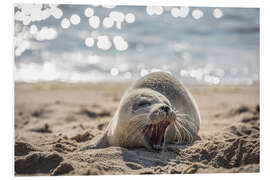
(65, 23)
(197, 14)
(94, 22)
(89, 12)
(138, 37)
(154, 10)
(75, 19)
(217, 13)
(89, 42)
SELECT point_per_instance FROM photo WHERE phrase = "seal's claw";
(101, 143)
(92, 146)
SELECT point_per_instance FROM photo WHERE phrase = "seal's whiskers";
(182, 125)
(138, 122)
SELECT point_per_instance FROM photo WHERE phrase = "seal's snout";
(166, 109)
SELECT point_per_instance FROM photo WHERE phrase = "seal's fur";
(157, 109)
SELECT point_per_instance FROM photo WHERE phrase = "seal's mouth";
(154, 134)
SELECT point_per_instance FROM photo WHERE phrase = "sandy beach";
(54, 120)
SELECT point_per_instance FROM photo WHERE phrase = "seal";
(156, 110)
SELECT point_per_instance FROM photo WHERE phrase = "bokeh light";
(56, 12)
(180, 12)
(118, 17)
(184, 12)
(33, 29)
(197, 14)
(217, 13)
(89, 42)
(28, 13)
(154, 10)
(108, 22)
(65, 23)
(175, 12)
(46, 34)
(119, 43)
(114, 71)
(203, 74)
(130, 18)
(104, 43)
(75, 19)
(89, 12)
(22, 47)
(94, 22)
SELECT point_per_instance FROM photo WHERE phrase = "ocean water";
(84, 43)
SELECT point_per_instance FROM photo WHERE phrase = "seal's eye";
(165, 102)
(141, 104)
(144, 104)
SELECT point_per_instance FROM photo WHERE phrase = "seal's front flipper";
(101, 143)
(197, 138)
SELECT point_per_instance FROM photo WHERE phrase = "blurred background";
(84, 43)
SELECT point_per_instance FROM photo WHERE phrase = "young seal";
(157, 109)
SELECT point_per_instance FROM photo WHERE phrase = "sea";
(104, 43)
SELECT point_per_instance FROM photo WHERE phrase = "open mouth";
(154, 134)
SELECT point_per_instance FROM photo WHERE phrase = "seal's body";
(157, 109)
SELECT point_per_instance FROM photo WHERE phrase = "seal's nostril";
(165, 108)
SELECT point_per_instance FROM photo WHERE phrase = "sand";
(54, 120)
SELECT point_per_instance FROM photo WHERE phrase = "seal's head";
(142, 119)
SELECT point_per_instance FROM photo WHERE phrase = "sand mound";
(37, 163)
